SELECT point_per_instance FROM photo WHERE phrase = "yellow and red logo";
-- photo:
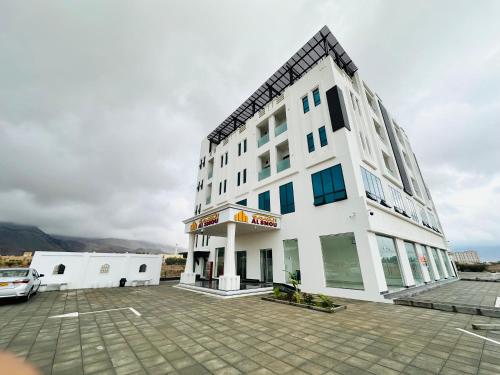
(241, 216)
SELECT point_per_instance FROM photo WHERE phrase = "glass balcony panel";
(264, 173)
(280, 129)
(263, 140)
(208, 200)
(210, 174)
(283, 164)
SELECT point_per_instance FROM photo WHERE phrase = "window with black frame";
(328, 185)
(373, 187)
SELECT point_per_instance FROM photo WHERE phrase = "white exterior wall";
(83, 269)
(355, 214)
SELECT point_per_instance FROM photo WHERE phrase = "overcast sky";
(103, 104)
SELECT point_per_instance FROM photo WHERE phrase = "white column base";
(229, 282)
(188, 278)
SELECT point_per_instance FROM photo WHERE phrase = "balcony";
(264, 173)
(282, 165)
(263, 140)
(208, 200)
(210, 174)
(280, 129)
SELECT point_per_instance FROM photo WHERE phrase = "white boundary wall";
(83, 270)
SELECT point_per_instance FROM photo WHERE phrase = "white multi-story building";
(466, 257)
(312, 177)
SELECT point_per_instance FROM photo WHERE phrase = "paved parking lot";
(470, 293)
(183, 332)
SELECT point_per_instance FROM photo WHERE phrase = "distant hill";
(16, 239)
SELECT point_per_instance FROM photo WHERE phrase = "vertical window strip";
(316, 97)
(322, 136)
(310, 142)
(305, 104)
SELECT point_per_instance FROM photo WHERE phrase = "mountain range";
(16, 239)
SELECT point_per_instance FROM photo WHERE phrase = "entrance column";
(188, 276)
(230, 281)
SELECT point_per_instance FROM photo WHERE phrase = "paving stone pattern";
(181, 332)
(472, 293)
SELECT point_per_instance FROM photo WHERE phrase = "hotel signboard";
(233, 214)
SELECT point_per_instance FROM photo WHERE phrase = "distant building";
(466, 257)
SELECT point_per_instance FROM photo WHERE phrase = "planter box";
(335, 308)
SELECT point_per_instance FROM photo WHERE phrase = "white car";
(19, 282)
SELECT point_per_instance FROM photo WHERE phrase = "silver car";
(19, 282)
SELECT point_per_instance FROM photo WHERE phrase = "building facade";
(311, 177)
(466, 257)
(73, 270)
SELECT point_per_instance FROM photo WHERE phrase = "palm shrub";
(325, 301)
(308, 298)
(297, 297)
(277, 292)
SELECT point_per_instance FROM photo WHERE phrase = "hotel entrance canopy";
(248, 220)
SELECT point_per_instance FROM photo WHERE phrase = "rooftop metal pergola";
(322, 44)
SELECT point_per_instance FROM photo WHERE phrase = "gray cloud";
(103, 104)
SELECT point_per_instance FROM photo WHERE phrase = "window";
(305, 104)
(341, 262)
(239, 149)
(390, 262)
(286, 198)
(423, 215)
(221, 161)
(245, 176)
(416, 187)
(310, 142)
(243, 202)
(428, 263)
(239, 178)
(323, 141)
(219, 261)
(196, 240)
(265, 201)
(220, 188)
(292, 262)
(59, 269)
(225, 184)
(411, 209)
(204, 161)
(373, 186)
(104, 268)
(142, 268)
(245, 145)
(226, 158)
(328, 185)
(389, 165)
(316, 97)
(397, 199)
(438, 263)
(416, 269)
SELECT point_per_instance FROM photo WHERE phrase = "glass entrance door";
(266, 265)
(241, 264)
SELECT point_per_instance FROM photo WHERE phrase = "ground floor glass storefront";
(438, 263)
(341, 262)
(416, 269)
(390, 262)
(292, 262)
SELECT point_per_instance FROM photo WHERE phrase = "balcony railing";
(208, 200)
(210, 174)
(264, 173)
(263, 140)
(281, 128)
(283, 164)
